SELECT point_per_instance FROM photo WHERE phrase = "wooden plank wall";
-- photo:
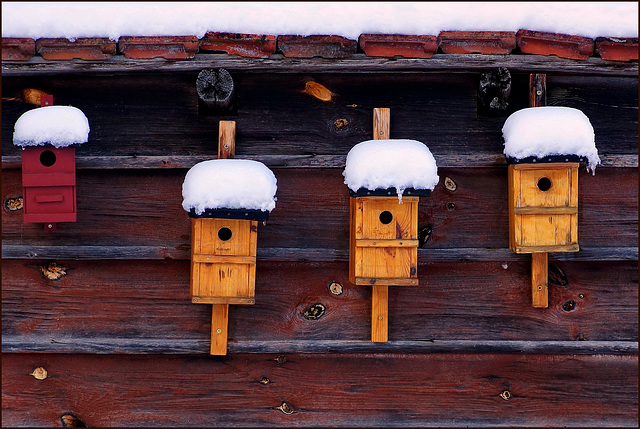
(103, 304)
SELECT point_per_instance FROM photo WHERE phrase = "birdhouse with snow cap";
(226, 198)
(543, 147)
(47, 136)
(386, 178)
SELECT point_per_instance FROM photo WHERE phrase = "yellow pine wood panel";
(539, 280)
(381, 123)
(543, 219)
(372, 242)
(380, 313)
(219, 329)
(224, 274)
(389, 262)
(556, 196)
(402, 225)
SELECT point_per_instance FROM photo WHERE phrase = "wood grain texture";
(91, 309)
(322, 390)
(357, 63)
(130, 117)
(312, 213)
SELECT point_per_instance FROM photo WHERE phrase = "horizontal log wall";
(103, 303)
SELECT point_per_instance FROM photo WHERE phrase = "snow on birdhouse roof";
(229, 184)
(549, 131)
(58, 126)
(392, 163)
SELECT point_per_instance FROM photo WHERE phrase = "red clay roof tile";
(477, 42)
(245, 45)
(84, 48)
(18, 48)
(169, 47)
(316, 46)
(390, 45)
(561, 45)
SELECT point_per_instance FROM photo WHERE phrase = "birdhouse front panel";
(223, 261)
(384, 241)
(49, 184)
(543, 207)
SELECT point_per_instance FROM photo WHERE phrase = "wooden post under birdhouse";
(380, 293)
(223, 258)
(383, 242)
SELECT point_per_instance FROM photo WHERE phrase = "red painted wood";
(322, 390)
(49, 184)
(118, 304)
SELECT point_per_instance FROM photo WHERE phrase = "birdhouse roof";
(539, 132)
(230, 184)
(392, 163)
(58, 126)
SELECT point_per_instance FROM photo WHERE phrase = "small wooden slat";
(547, 249)
(539, 282)
(545, 210)
(386, 243)
(223, 300)
(227, 140)
(379, 313)
(224, 259)
(547, 166)
(219, 329)
(386, 281)
(537, 89)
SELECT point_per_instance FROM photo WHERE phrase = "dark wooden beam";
(359, 63)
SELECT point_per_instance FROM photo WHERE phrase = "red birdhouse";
(49, 184)
(46, 135)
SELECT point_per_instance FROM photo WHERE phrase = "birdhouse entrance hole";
(386, 217)
(224, 234)
(544, 184)
(47, 158)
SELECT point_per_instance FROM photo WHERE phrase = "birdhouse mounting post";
(220, 312)
(380, 293)
(539, 261)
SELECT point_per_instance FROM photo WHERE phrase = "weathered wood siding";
(103, 304)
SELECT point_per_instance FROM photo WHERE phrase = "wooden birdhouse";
(226, 198)
(544, 146)
(543, 207)
(48, 162)
(386, 179)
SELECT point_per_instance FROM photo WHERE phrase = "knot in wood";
(286, 408)
(449, 184)
(335, 288)
(53, 271)
(314, 312)
(39, 373)
(569, 306)
(506, 395)
(281, 359)
(264, 381)
(13, 204)
(71, 421)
